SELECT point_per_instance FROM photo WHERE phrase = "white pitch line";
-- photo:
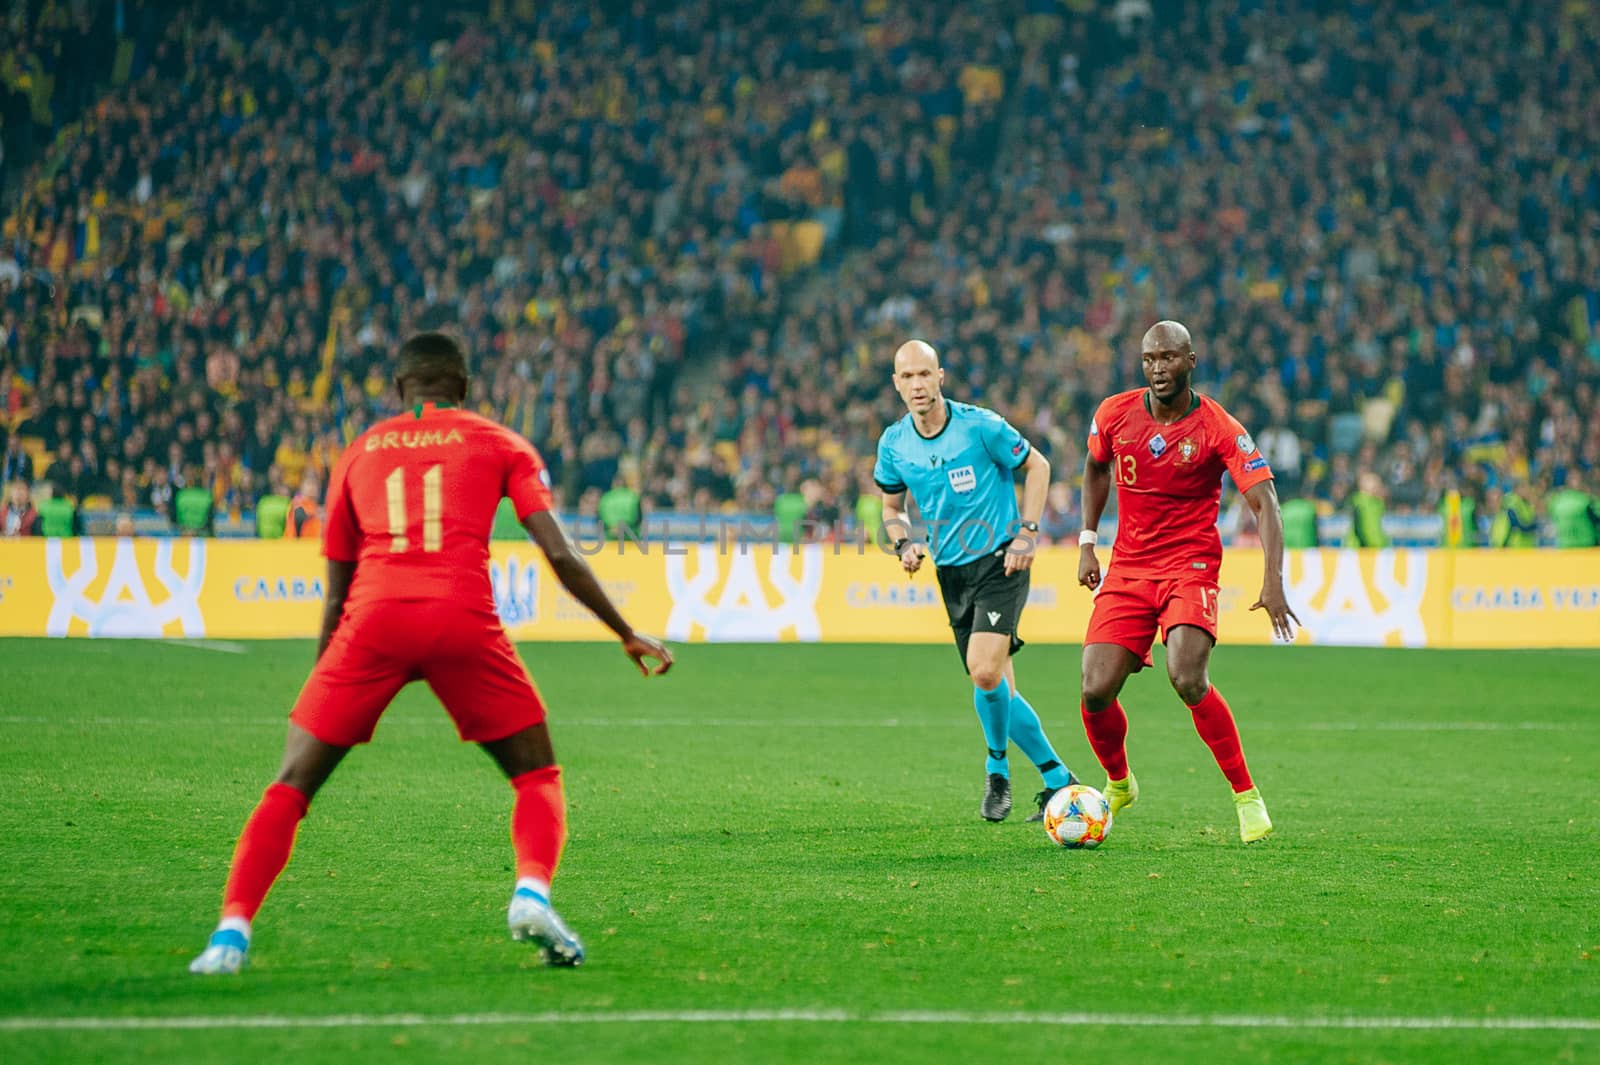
(591, 722)
(1425, 726)
(226, 647)
(278, 720)
(803, 1016)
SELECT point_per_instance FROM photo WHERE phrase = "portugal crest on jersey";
(1187, 449)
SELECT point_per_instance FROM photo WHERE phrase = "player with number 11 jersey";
(410, 507)
(387, 507)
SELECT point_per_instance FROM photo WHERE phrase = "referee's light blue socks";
(1028, 734)
(994, 714)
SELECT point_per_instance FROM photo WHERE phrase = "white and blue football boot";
(224, 954)
(533, 920)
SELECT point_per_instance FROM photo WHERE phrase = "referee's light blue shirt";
(962, 479)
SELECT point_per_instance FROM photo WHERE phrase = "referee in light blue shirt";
(959, 463)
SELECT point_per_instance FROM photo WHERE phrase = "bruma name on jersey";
(412, 500)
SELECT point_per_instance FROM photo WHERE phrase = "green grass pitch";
(794, 828)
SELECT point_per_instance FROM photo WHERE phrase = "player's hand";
(1088, 567)
(911, 558)
(1276, 604)
(1019, 556)
(640, 647)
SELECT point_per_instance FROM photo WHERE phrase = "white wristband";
(1088, 538)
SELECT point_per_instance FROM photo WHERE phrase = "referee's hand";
(1019, 556)
(911, 558)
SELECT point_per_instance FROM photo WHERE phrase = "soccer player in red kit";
(1167, 446)
(410, 506)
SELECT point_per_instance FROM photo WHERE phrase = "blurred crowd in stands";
(682, 241)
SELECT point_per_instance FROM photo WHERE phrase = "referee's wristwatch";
(1030, 526)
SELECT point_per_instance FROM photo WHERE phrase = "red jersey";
(412, 501)
(1169, 482)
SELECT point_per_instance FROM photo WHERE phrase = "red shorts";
(464, 655)
(1129, 610)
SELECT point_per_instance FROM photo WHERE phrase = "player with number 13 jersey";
(1166, 448)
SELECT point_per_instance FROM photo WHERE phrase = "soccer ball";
(1077, 816)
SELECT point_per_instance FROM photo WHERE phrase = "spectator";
(621, 215)
(305, 518)
(16, 464)
(20, 517)
(159, 493)
(65, 471)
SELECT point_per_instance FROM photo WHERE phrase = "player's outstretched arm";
(335, 592)
(1096, 491)
(575, 576)
(1263, 499)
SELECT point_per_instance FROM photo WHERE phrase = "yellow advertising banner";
(235, 589)
(1389, 598)
(1525, 598)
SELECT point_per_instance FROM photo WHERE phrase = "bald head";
(1168, 359)
(915, 353)
(1167, 336)
(917, 377)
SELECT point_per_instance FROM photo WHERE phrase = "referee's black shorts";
(979, 597)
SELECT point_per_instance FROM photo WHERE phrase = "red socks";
(539, 822)
(263, 849)
(538, 832)
(1214, 721)
(1108, 734)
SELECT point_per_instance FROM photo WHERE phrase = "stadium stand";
(681, 243)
